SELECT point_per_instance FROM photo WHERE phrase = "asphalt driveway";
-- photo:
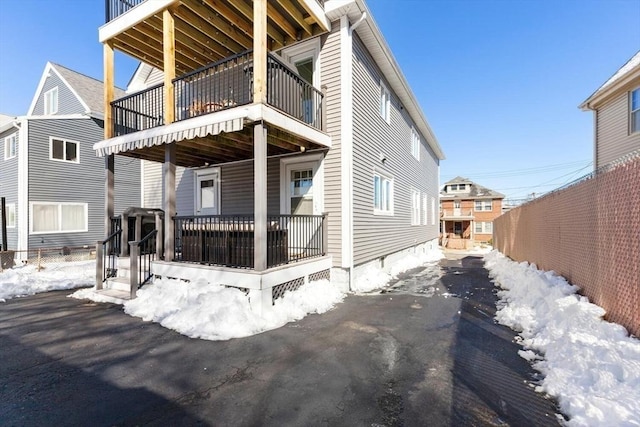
(424, 353)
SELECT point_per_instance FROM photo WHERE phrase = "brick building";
(467, 211)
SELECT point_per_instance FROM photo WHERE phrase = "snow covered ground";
(592, 367)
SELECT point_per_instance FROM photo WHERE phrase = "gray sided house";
(616, 114)
(49, 173)
(347, 145)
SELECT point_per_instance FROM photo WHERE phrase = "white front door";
(208, 192)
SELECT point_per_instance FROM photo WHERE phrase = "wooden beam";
(154, 48)
(296, 15)
(108, 88)
(135, 53)
(185, 53)
(281, 22)
(260, 51)
(210, 31)
(220, 25)
(277, 36)
(169, 60)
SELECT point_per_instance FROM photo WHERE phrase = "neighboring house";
(288, 156)
(49, 173)
(5, 119)
(616, 113)
(467, 211)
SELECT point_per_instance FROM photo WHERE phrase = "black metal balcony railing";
(139, 111)
(219, 86)
(228, 240)
(115, 8)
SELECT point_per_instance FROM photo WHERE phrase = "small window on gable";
(10, 146)
(385, 103)
(415, 143)
(51, 101)
(66, 151)
(634, 111)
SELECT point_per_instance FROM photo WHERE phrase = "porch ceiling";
(210, 30)
(225, 147)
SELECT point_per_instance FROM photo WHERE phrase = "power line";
(523, 171)
(572, 173)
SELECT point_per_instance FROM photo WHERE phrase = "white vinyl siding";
(48, 217)
(382, 194)
(11, 215)
(483, 227)
(51, 101)
(64, 150)
(415, 144)
(483, 205)
(10, 146)
(613, 137)
(634, 111)
(385, 103)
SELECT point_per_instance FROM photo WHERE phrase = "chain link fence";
(43, 256)
(588, 232)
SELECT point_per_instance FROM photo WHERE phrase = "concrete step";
(118, 283)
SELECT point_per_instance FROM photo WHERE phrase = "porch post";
(169, 173)
(108, 133)
(260, 196)
(169, 56)
(259, 51)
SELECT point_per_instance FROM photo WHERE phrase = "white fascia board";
(14, 123)
(346, 143)
(283, 121)
(318, 13)
(129, 19)
(73, 91)
(43, 79)
(23, 189)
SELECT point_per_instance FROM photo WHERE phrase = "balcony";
(456, 214)
(220, 86)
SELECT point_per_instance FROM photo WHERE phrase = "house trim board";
(23, 190)
(49, 67)
(346, 125)
(134, 16)
(318, 180)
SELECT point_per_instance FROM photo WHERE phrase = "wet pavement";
(425, 352)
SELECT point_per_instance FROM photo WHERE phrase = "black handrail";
(110, 251)
(139, 111)
(115, 8)
(146, 254)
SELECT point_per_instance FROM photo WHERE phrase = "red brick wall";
(590, 234)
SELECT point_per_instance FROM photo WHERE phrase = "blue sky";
(499, 80)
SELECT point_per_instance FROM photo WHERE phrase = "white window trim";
(59, 204)
(47, 100)
(483, 206)
(11, 213)
(632, 112)
(415, 143)
(8, 142)
(214, 171)
(51, 138)
(315, 161)
(385, 103)
(415, 206)
(310, 49)
(425, 208)
(433, 211)
(383, 177)
(483, 227)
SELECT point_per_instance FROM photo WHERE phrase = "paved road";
(424, 353)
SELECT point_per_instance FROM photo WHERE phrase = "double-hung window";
(385, 103)
(484, 227)
(61, 149)
(425, 199)
(483, 205)
(415, 143)
(634, 111)
(11, 215)
(433, 211)
(10, 146)
(415, 207)
(382, 194)
(51, 101)
(50, 217)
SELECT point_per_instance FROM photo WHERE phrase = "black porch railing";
(115, 8)
(138, 111)
(228, 240)
(145, 252)
(110, 251)
(219, 86)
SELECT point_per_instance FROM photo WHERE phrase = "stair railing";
(141, 254)
(107, 257)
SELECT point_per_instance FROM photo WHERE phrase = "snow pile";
(373, 277)
(590, 366)
(202, 310)
(27, 280)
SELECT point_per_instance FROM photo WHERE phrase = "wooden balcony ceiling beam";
(136, 53)
(286, 137)
(296, 15)
(202, 51)
(276, 35)
(220, 25)
(201, 24)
